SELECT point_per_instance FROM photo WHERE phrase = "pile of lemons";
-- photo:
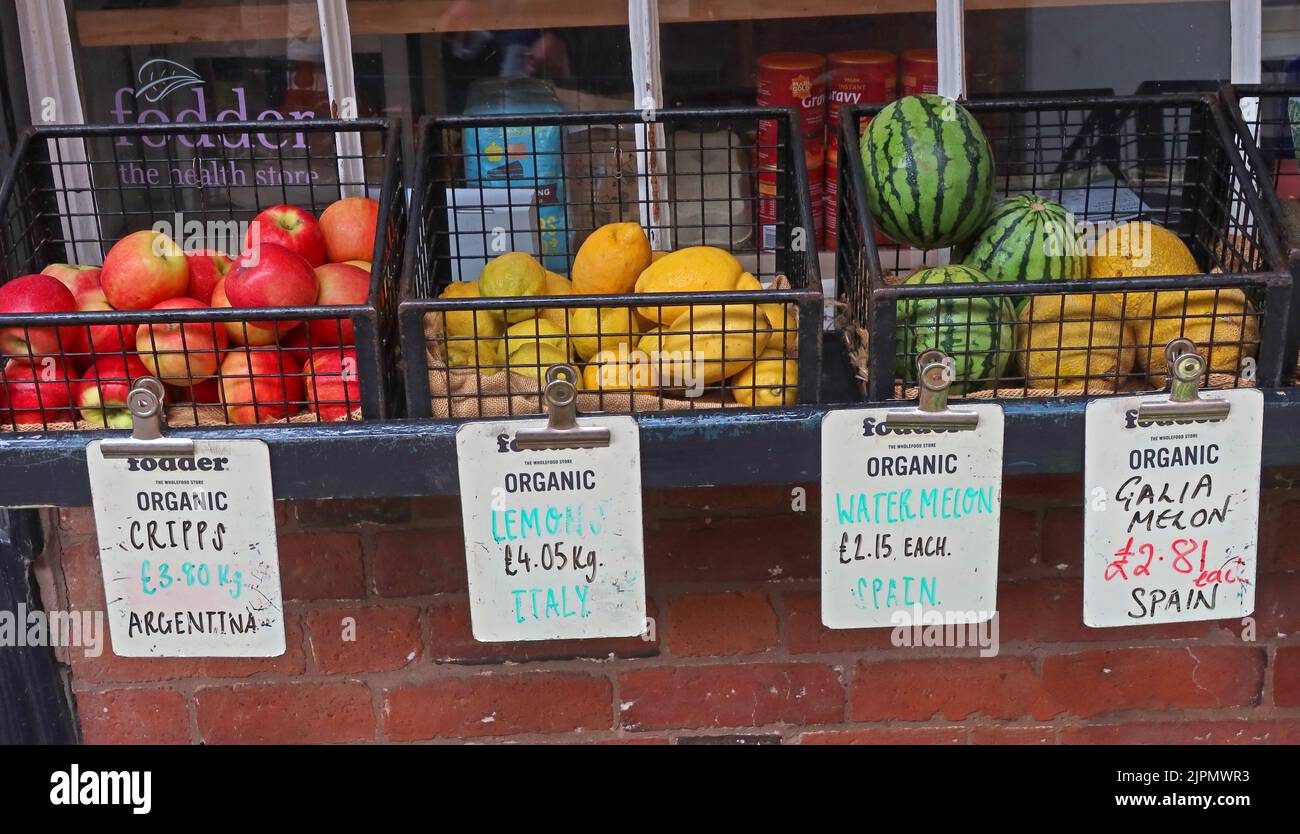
(646, 348)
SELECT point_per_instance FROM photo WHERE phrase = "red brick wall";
(738, 651)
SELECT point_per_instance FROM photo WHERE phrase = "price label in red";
(1171, 513)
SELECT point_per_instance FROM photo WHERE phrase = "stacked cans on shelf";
(808, 81)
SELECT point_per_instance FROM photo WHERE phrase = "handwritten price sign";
(909, 520)
(188, 551)
(553, 538)
(1172, 515)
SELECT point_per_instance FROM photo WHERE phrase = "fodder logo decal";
(160, 77)
(167, 92)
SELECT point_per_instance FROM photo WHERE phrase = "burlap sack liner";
(464, 392)
(1095, 387)
(182, 416)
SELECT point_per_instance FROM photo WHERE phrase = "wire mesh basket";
(734, 319)
(1168, 160)
(1266, 120)
(72, 192)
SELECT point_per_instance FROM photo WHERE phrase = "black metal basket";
(72, 191)
(1169, 159)
(1265, 134)
(687, 177)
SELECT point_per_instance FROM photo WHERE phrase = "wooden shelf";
(298, 20)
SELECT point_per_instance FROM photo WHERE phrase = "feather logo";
(160, 77)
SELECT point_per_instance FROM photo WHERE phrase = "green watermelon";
(1026, 238)
(976, 333)
(929, 171)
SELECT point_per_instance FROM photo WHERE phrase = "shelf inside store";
(705, 448)
(216, 23)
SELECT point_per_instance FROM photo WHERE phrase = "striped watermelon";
(976, 333)
(929, 171)
(1026, 238)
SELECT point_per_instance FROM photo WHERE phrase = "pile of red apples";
(257, 370)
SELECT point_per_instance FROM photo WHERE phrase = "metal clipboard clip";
(1184, 404)
(146, 405)
(562, 431)
(932, 412)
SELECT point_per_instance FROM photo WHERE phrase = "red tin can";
(790, 79)
(857, 77)
(920, 71)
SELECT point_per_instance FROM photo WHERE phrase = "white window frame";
(54, 96)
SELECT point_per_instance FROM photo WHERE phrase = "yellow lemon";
(712, 342)
(593, 329)
(610, 259)
(513, 275)
(651, 342)
(535, 330)
(610, 372)
(484, 354)
(784, 318)
(472, 335)
(557, 285)
(533, 359)
(771, 381)
(693, 269)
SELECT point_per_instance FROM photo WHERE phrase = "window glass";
(1044, 45)
(419, 58)
(783, 54)
(201, 60)
(167, 62)
(1280, 47)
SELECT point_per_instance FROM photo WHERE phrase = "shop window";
(1015, 46)
(415, 58)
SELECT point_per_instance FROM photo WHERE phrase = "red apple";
(178, 353)
(340, 284)
(143, 269)
(287, 226)
(105, 339)
(333, 387)
(101, 395)
(258, 386)
(202, 392)
(36, 392)
(206, 269)
(363, 264)
(36, 294)
(108, 339)
(349, 229)
(255, 333)
(279, 278)
(80, 280)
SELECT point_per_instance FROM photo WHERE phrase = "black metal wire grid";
(71, 192)
(1167, 159)
(1266, 140)
(732, 179)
